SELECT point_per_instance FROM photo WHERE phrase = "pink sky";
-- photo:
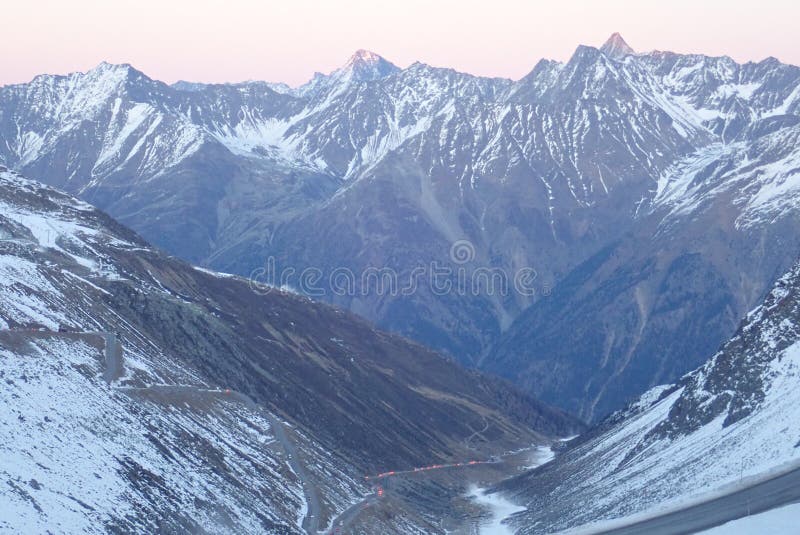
(287, 40)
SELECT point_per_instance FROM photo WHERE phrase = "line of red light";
(424, 469)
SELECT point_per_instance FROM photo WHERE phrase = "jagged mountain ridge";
(207, 370)
(352, 171)
(726, 422)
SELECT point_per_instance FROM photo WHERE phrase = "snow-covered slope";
(103, 430)
(734, 418)
(759, 174)
(78, 456)
(142, 394)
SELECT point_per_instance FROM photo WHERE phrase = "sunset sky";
(234, 40)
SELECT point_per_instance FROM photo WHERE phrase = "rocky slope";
(142, 394)
(721, 225)
(731, 419)
(610, 153)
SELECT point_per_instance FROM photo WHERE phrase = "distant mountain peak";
(365, 56)
(105, 66)
(115, 72)
(365, 65)
(616, 47)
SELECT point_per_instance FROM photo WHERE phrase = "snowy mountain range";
(643, 189)
(141, 394)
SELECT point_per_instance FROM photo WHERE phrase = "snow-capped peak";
(119, 70)
(106, 66)
(364, 56)
(364, 66)
(616, 47)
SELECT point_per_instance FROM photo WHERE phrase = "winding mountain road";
(475, 434)
(310, 522)
(341, 524)
(115, 369)
(113, 354)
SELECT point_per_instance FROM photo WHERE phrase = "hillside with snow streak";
(732, 420)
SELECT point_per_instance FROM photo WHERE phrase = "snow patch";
(500, 509)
